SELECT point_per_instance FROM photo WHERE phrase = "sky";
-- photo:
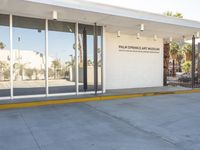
(189, 8)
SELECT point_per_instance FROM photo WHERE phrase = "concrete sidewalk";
(167, 122)
(109, 95)
(146, 90)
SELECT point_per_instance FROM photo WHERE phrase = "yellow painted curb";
(97, 98)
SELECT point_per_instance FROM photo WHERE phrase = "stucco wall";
(126, 69)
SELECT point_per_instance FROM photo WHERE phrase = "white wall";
(132, 69)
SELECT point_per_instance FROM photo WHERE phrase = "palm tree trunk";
(173, 69)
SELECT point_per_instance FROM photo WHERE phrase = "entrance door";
(89, 61)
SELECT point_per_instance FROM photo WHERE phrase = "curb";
(90, 99)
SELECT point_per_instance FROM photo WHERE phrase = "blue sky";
(60, 43)
(189, 8)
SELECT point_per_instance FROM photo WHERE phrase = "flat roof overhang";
(114, 18)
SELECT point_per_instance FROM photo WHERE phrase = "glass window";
(4, 56)
(61, 67)
(28, 56)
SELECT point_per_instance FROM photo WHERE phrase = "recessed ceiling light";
(118, 33)
(138, 35)
(155, 37)
(142, 27)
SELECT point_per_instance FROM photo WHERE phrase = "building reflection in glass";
(4, 56)
(29, 56)
(61, 57)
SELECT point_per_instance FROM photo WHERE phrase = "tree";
(2, 45)
(19, 69)
(29, 73)
(50, 73)
(187, 49)
(170, 13)
(4, 70)
(175, 52)
(36, 73)
(3, 65)
(174, 48)
(179, 59)
(56, 65)
(187, 66)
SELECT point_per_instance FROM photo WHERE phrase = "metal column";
(85, 85)
(198, 63)
(95, 58)
(76, 58)
(103, 59)
(11, 58)
(193, 61)
(46, 57)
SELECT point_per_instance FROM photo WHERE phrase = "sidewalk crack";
(36, 142)
(168, 140)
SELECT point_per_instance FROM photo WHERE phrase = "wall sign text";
(138, 49)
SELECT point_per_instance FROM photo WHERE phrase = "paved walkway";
(108, 93)
(168, 122)
(146, 90)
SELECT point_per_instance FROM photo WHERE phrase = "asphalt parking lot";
(168, 122)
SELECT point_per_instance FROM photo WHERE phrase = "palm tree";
(179, 59)
(19, 69)
(187, 66)
(2, 46)
(178, 15)
(29, 73)
(174, 48)
(187, 49)
(170, 13)
(4, 67)
(56, 65)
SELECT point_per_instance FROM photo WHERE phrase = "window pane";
(61, 57)
(4, 56)
(29, 56)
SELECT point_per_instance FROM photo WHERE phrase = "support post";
(85, 85)
(46, 57)
(76, 58)
(11, 58)
(103, 59)
(193, 61)
(95, 59)
(166, 63)
(198, 63)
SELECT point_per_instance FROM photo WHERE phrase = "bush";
(186, 67)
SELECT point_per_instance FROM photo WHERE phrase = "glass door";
(89, 63)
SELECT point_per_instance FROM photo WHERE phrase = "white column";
(103, 60)
(76, 57)
(11, 57)
(46, 57)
